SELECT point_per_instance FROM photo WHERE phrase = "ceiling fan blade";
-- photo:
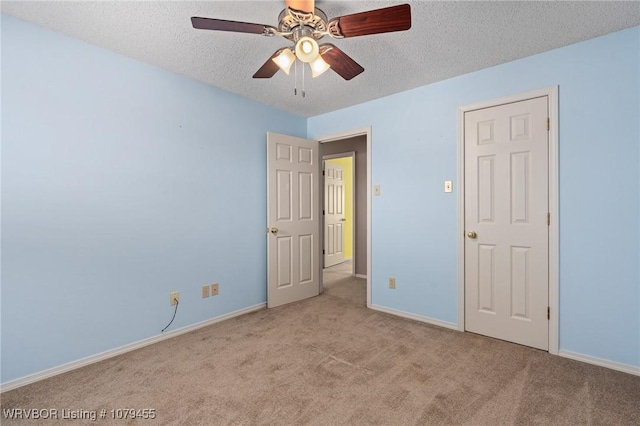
(222, 25)
(339, 61)
(301, 5)
(385, 20)
(269, 68)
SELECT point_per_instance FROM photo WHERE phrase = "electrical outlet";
(392, 283)
(376, 190)
(175, 298)
(214, 289)
(205, 291)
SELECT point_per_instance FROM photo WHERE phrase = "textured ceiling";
(446, 39)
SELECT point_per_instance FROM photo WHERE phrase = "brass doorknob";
(343, 220)
(273, 230)
(472, 235)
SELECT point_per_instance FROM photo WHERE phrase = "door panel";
(520, 191)
(306, 259)
(284, 261)
(292, 250)
(305, 196)
(506, 205)
(283, 195)
(486, 278)
(520, 301)
(486, 185)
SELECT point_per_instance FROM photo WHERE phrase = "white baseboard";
(45, 374)
(625, 368)
(432, 321)
(361, 276)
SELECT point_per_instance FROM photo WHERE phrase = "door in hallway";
(506, 222)
(334, 214)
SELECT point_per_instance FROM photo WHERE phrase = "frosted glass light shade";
(318, 66)
(284, 60)
(307, 49)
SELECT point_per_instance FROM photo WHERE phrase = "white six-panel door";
(334, 215)
(506, 206)
(292, 218)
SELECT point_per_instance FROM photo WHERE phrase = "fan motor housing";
(301, 24)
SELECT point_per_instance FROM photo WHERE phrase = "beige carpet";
(330, 361)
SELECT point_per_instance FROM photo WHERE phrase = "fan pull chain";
(303, 93)
(295, 78)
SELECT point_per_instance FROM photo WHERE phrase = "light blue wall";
(414, 141)
(121, 182)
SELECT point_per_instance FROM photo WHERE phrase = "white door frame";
(352, 155)
(336, 138)
(554, 277)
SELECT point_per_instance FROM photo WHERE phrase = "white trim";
(432, 321)
(45, 374)
(625, 368)
(361, 276)
(345, 154)
(554, 270)
(369, 245)
(460, 209)
(345, 135)
(554, 227)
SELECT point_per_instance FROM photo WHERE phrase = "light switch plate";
(448, 186)
(376, 190)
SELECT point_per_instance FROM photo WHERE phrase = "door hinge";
(322, 251)
(548, 313)
(548, 124)
(548, 219)
(323, 173)
(323, 212)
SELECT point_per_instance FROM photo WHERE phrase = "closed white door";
(293, 171)
(334, 215)
(506, 222)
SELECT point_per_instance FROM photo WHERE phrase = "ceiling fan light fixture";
(307, 49)
(284, 60)
(318, 66)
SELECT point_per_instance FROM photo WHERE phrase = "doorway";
(338, 171)
(338, 277)
(355, 145)
(294, 211)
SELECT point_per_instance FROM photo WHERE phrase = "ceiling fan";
(304, 24)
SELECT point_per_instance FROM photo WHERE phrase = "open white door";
(293, 171)
(334, 215)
